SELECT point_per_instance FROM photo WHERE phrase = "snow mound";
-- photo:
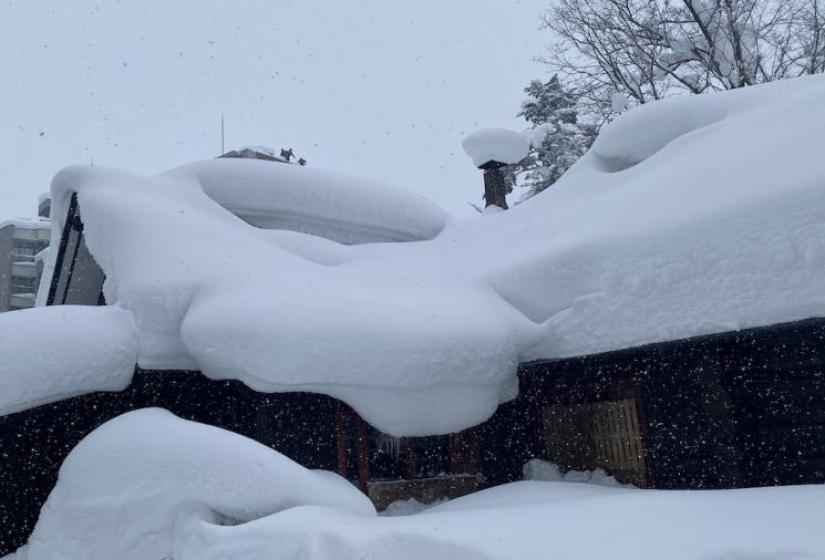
(52, 353)
(324, 534)
(409, 506)
(518, 521)
(496, 144)
(539, 469)
(636, 135)
(130, 488)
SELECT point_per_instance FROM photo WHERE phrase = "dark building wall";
(34, 443)
(735, 409)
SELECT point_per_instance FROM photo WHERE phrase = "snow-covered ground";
(542, 520)
(148, 486)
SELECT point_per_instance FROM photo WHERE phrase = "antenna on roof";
(223, 151)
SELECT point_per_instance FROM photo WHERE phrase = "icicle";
(390, 445)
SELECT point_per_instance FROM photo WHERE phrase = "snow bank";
(148, 485)
(525, 521)
(52, 353)
(539, 469)
(131, 487)
(496, 144)
(692, 216)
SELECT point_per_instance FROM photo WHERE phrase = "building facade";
(20, 242)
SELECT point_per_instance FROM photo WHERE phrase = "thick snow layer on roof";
(148, 485)
(128, 489)
(496, 144)
(688, 217)
(52, 353)
(339, 207)
(213, 293)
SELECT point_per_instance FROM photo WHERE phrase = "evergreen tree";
(557, 135)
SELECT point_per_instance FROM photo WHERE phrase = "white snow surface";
(541, 520)
(339, 207)
(148, 485)
(134, 485)
(688, 217)
(496, 144)
(52, 353)
(539, 469)
(27, 223)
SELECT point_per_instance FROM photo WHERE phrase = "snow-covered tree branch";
(648, 49)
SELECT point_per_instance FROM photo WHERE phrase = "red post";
(362, 450)
(341, 418)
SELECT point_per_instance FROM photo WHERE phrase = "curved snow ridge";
(127, 489)
(638, 134)
(343, 208)
(52, 353)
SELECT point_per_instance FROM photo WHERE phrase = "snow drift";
(688, 217)
(148, 485)
(127, 489)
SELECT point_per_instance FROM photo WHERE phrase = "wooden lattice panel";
(602, 434)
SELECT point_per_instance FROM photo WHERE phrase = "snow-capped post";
(491, 150)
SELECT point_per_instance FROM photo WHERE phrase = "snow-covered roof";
(53, 353)
(690, 216)
(27, 223)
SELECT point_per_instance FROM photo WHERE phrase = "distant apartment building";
(20, 242)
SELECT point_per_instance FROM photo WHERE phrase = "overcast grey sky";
(377, 88)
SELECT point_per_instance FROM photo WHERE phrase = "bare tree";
(644, 50)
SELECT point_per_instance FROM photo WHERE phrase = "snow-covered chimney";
(491, 150)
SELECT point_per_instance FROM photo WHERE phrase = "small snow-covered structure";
(491, 149)
(498, 145)
(657, 314)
